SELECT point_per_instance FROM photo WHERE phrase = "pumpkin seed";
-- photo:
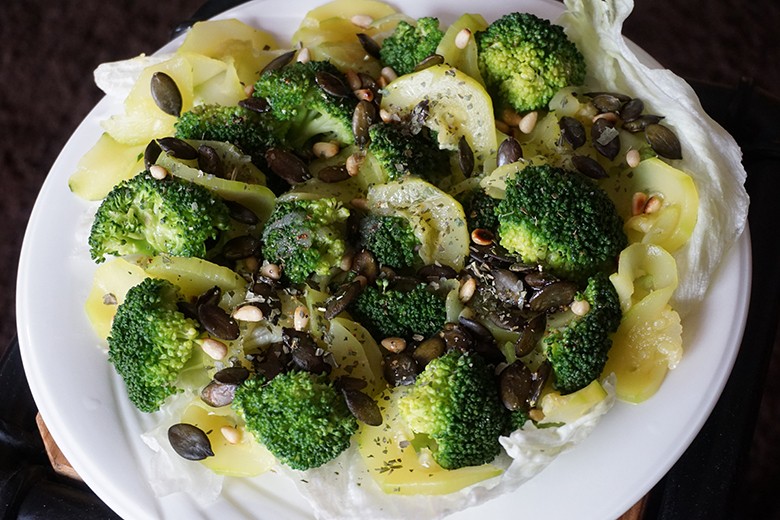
(255, 104)
(209, 160)
(178, 148)
(465, 157)
(335, 173)
(606, 138)
(362, 118)
(430, 61)
(632, 109)
(287, 165)
(363, 407)
(166, 94)
(278, 62)
(588, 166)
(640, 123)
(553, 296)
(217, 394)
(332, 84)
(189, 442)
(217, 322)
(515, 386)
(400, 369)
(572, 131)
(509, 151)
(369, 45)
(663, 141)
(151, 153)
(241, 213)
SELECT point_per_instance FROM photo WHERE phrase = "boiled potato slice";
(437, 219)
(110, 283)
(222, 39)
(104, 166)
(568, 408)
(647, 344)
(644, 269)
(346, 9)
(356, 354)
(256, 197)
(458, 106)
(241, 456)
(400, 470)
(464, 59)
(670, 225)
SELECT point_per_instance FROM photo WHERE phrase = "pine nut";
(300, 318)
(394, 345)
(158, 172)
(467, 289)
(214, 348)
(638, 202)
(248, 313)
(271, 271)
(528, 122)
(304, 55)
(325, 150)
(364, 94)
(353, 164)
(231, 434)
(353, 79)
(510, 117)
(535, 414)
(502, 127)
(359, 203)
(482, 237)
(580, 307)
(362, 20)
(249, 89)
(633, 158)
(653, 204)
(462, 38)
(389, 74)
(609, 116)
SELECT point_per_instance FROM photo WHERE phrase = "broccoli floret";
(254, 133)
(480, 210)
(455, 402)
(144, 215)
(560, 220)
(391, 240)
(396, 313)
(578, 350)
(296, 97)
(409, 44)
(300, 417)
(150, 342)
(401, 152)
(305, 237)
(525, 60)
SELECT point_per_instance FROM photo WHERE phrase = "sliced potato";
(568, 408)
(236, 453)
(398, 469)
(110, 283)
(463, 57)
(644, 269)
(104, 166)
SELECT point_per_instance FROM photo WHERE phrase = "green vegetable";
(300, 417)
(395, 313)
(578, 350)
(144, 215)
(391, 240)
(525, 60)
(480, 210)
(455, 403)
(409, 44)
(150, 342)
(401, 152)
(252, 132)
(306, 237)
(296, 97)
(560, 220)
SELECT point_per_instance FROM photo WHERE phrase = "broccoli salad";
(402, 261)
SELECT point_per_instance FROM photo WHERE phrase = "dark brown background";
(48, 50)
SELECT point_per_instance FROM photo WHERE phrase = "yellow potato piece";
(110, 283)
(399, 470)
(463, 58)
(642, 269)
(244, 457)
(104, 166)
(356, 354)
(647, 344)
(346, 9)
(568, 408)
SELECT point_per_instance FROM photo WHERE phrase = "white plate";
(93, 423)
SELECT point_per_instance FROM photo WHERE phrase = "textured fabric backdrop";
(48, 50)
